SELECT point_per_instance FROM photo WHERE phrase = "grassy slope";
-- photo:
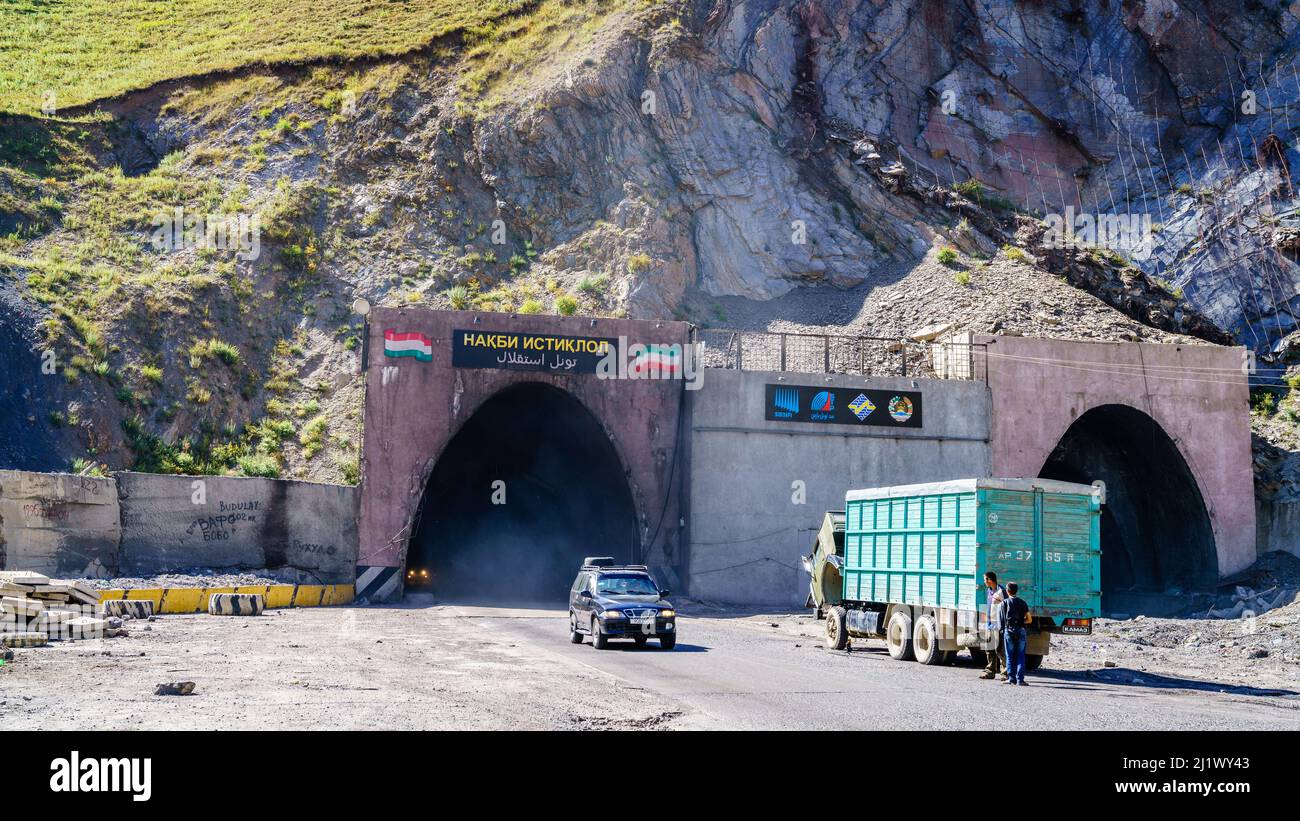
(84, 50)
(149, 328)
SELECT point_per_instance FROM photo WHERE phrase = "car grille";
(639, 612)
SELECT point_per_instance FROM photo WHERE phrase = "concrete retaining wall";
(1277, 526)
(142, 524)
(227, 523)
(747, 525)
(58, 524)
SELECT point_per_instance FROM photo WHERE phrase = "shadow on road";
(1125, 677)
(652, 647)
(1082, 680)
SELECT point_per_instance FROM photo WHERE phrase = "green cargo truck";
(912, 565)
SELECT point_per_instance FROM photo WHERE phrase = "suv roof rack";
(638, 568)
(599, 561)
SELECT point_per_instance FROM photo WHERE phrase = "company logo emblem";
(861, 407)
(900, 408)
(824, 401)
(786, 401)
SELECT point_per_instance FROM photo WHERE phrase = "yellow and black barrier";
(195, 599)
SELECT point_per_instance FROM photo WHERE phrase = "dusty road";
(426, 666)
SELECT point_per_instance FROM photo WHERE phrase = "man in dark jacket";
(1015, 636)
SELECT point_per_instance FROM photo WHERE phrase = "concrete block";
(13, 605)
(83, 627)
(51, 622)
(134, 609)
(58, 523)
(29, 638)
(236, 604)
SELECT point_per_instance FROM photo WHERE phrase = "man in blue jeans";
(1015, 616)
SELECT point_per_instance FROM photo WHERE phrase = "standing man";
(1015, 617)
(994, 595)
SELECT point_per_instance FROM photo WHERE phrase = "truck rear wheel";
(925, 641)
(1033, 662)
(837, 636)
(898, 636)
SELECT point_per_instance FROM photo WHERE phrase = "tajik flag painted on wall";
(412, 344)
(657, 359)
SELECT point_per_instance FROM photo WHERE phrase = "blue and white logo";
(785, 403)
(822, 408)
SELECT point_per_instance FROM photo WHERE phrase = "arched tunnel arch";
(565, 495)
(1156, 539)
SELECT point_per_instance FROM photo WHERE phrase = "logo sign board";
(843, 406)
(514, 351)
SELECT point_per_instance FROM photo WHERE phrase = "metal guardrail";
(827, 353)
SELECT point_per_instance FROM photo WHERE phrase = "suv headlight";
(612, 614)
(667, 614)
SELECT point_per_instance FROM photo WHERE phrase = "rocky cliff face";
(756, 133)
(680, 160)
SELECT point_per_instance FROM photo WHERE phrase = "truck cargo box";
(928, 545)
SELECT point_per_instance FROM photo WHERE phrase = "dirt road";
(421, 665)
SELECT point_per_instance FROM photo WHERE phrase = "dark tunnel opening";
(564, 496)
(1156, 539)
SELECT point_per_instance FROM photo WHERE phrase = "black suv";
(613, 601)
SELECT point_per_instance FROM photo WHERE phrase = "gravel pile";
(192, 578)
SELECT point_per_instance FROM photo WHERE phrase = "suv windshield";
(626, 586)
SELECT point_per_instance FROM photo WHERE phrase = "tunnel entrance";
(1156, 539)
(528, 487)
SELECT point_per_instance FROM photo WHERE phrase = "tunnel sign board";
(842, 406)
(528, 352)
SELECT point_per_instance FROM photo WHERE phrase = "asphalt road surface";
(752, 673)
(425, 665)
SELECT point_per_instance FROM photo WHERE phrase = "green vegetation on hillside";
(89, 49)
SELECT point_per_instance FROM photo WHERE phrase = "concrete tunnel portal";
(646, 470)
(1155, 531)
(527, 487)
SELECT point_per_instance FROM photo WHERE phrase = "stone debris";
(196, 577)
(1250, 602)
(174, 688)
